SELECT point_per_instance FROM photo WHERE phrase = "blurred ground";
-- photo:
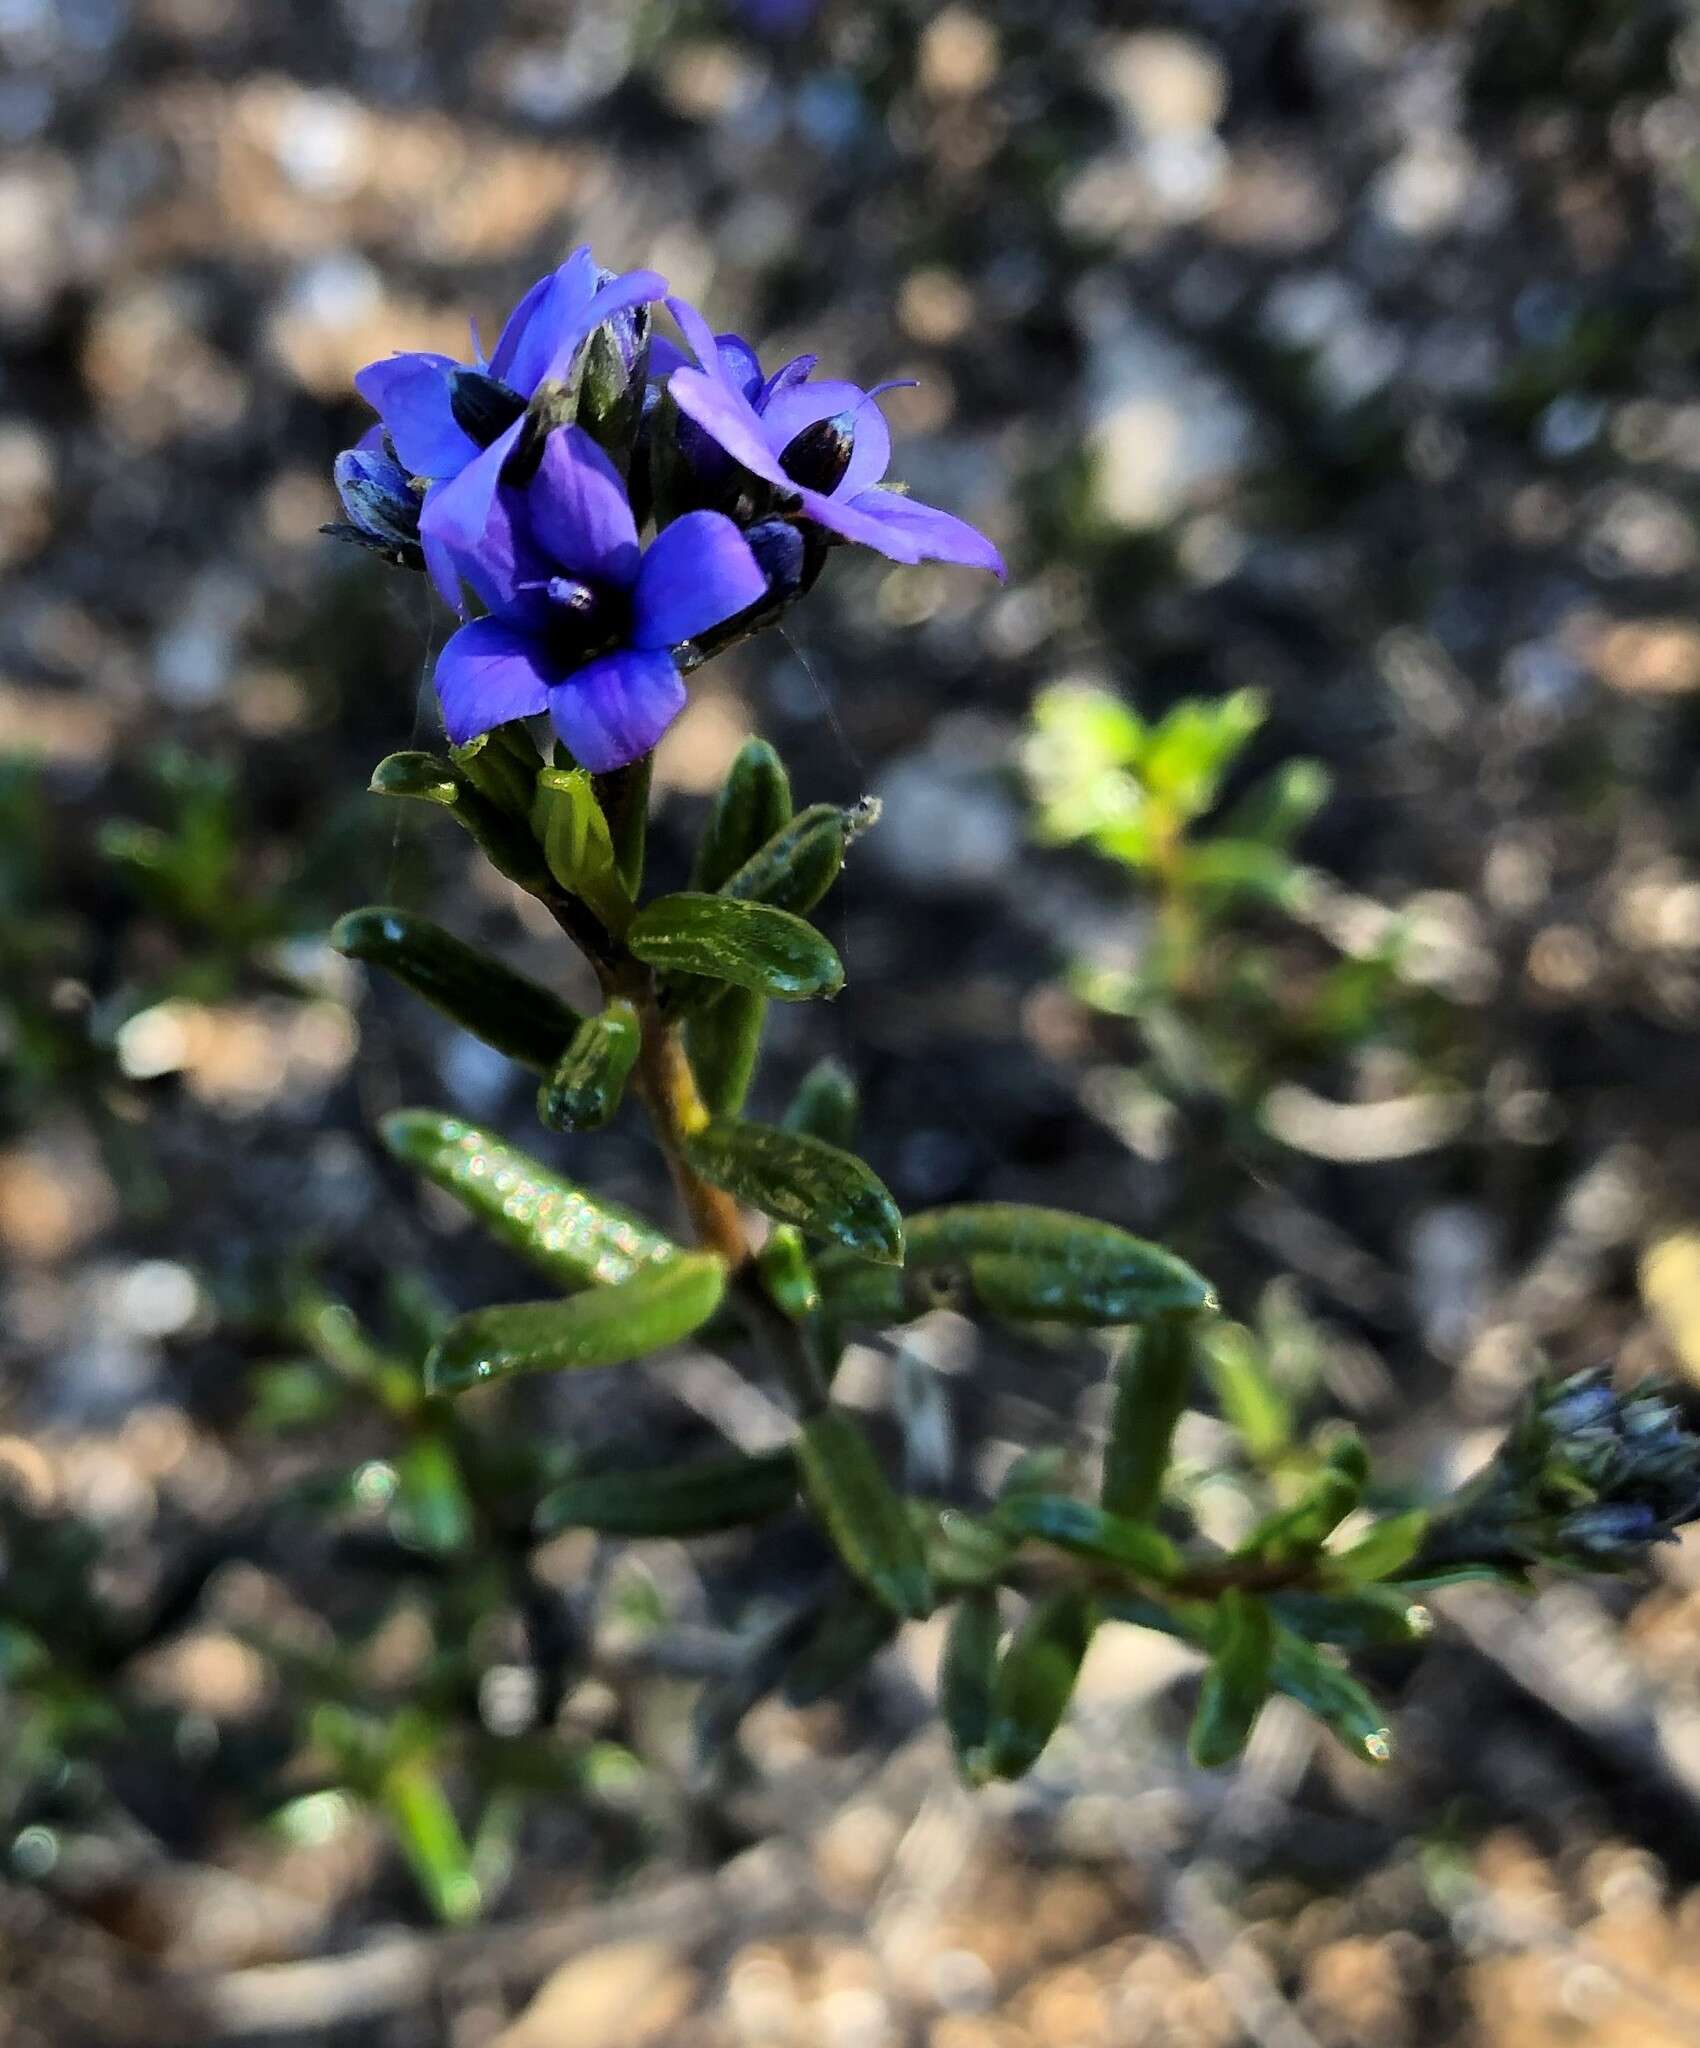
(1341, 349)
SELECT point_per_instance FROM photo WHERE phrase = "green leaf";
(1077, 1526)
(584, 1089)
(852, 1630)
(1048, 1265)
(606, 1326)
(1382, 1552)
(825, 1192)
(430, 1509)
(1371, 1618)
(1299, 1531)
(747, 944)
(1035, 1681)
(861, 1513)
(578, 846)
(1277, 809)
(1189, 751)
(963, 1550)
(967, 1674)
(502, 766)
(800, 863)
(577, 1239)
(678, 1500)
(723, 1043)
(826, 1105)
(855, 1291)
(417, 1807)
(427, 778)
(783, 1263)
(1149, 1384)
(1251, 1403)
(1237, 1681)
(1334, 1696)
(623, 794)
(430, 778)
(754, 802)
(504, 1009)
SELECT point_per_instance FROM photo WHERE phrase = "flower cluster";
(1588, 1478)
(523, 484)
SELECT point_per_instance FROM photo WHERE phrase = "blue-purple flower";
(583, 621)
(454, 425)
(380, 501)
(822, 445)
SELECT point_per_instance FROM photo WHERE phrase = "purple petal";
(740, 366)
(935, 536)
(797, 406)
(664, 358)
(729, 419)
(577, 509)
(410, 394)
(614, 710)
(488, 674)
(852, 522)
(618, 295)
(699, 336)
(470, 522)
(698, 571)
(533, 329)
(793, 372)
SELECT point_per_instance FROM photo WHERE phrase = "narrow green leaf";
(786, 1274)
(967, 1674)
(504, 1009)
(1149, 1383)
(427, 778)
(852, 1630)
(1251, 1403)
(679, 1500)
(800, 863)
(1237, 1681)
(1382, 1552)
(605, 1326)
(1077, 1526)
(747, 944)
(1299, 1531)
(861, 1513)
(577, 1239)
(826, 1105)
(430, 1509)
(505, 841)
(584, 1088)
(855, 1291)
(1048, 1265)
(418, 1809)
(1334, 1696)
(963, 1550)
(1371, 1618)
(578, 846)
(723, 1043)
(754, 802)
(1035, 1681)
(825, 1192)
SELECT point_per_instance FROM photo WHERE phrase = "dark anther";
(818, 457)
(484, 407)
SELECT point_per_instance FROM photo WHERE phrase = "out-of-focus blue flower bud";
(779, 549)
(381, 503)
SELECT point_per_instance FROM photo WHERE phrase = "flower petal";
(728, 419)
(850, 522)
(796, 406)
(697, 571)
(532, 333)
(614, 710)
(935, 536)
(699, 336)
(793, 372)
(618, 295)
(577, 510)
(487, 674)
(470, 522)
(410, 394)
(740, 366)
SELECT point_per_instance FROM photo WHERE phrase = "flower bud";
(382, 506)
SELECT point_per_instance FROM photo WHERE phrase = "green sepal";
(723, 1044)
(610, 401)
(800, 863)
(1373, 1617)
(852, 1629)
(502, 766)
(1252, 1405)
(826, 1105)
(1047, 1265)
(679, 1500)
(861, 1513)
(1077, 1526)
(1382, 1552)
(824, 1191)
(577, 1239)
(749, 945)
(1149, 1383)
(584, 1089)
(967, 1674)
(603, 1326)
(753, 803)
(573, 832)
(1334, 1696)
(1035, 1681)
(504, 840)
(1300, 1531)
(783, 1263)
(1236, 1684)
(506, 1010)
